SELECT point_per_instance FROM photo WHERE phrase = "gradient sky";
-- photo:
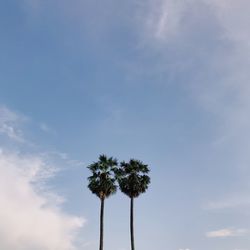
(163, 81)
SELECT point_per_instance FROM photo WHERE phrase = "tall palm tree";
(133, 181)
(102, 183)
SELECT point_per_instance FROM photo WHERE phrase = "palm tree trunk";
(101, 224)
(132, 223)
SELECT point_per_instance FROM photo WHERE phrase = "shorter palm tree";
(133, 181)
(102, 183)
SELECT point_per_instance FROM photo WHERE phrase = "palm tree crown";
(102, 182)
(132, 177)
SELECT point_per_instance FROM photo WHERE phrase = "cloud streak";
(227, 232)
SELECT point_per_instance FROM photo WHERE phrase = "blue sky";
(163, 81)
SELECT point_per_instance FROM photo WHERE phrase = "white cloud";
(227, 232)
(30, 212)
(30, 216)
(9, 124)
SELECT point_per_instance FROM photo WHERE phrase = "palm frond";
(132, 177)
(102, 182)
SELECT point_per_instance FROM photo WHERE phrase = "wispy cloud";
(10, 123)
(234, 201)
(45, 128)
(209, 44)
(31, 214)
(164, 19)
(227, 232)
(64, 157)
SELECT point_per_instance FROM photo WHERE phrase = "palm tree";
(133, 181)
(102, 183)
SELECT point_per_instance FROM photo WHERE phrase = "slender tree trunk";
(132, 223)
(101, 223)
